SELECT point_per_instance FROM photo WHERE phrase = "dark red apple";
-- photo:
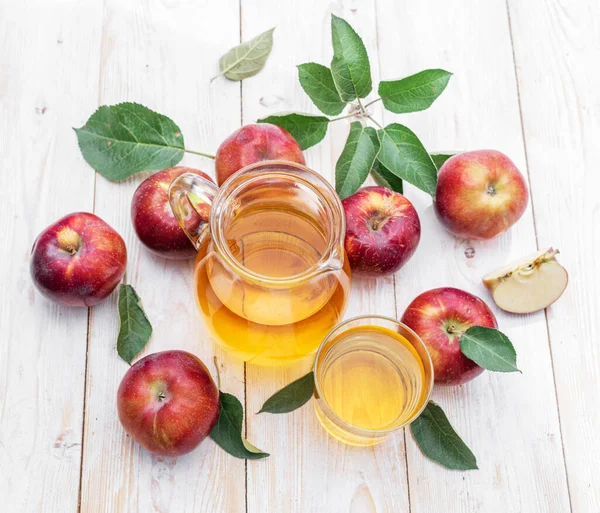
(168, 402)
(440, 317)
(480, 194)
(254, 143)
(153, 219)
(382, 231)
(78, 260)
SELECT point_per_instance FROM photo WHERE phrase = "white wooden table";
(526, 82)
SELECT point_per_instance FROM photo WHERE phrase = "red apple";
(153, 219)
(382, 231)
(254, 143)
(78, 260)
(440, 317)
(480, 194)
(168, 402)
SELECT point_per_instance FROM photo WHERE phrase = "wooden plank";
(510, 421)
(558, 84)
(49, 53)
(307, 469)
(161, 55)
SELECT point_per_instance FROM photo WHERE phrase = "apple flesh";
(382, 231)
(440, 317)
(255, 143)
(168, 402)
(480, 194)
(153, 219)
(529, 284)
(78, 260)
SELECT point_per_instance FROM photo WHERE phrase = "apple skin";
(480, 194)
(78, 260)
(168, 402)
(440, 317)
(254, 143)
(153, 218)
(382, 231)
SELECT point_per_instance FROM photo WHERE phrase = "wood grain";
(161, 55)
(49, 53)
(559, 83)
(508, 420)
(60, 60)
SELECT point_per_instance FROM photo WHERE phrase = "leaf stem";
(371, 103)
(343, 117)
(374, 121)
(207, 155)
(217, 76)
(362, 109)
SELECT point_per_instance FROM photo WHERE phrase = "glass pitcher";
(271, 277)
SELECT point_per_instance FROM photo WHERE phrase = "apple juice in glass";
(373, 376)
(271, 277)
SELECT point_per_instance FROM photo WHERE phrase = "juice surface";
(372, 378)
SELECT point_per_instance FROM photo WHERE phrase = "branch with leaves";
(392, 153)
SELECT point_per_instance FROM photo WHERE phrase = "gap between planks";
(535, 231)
(245, 364)
(90, 308)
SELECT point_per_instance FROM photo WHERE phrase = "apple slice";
(529, 284)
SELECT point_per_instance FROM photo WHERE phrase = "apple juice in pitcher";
(271, 277)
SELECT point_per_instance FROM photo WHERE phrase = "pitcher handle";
(191, 197)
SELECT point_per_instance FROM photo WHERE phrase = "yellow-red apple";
(480, 194)
(168, 402)
(382, 231)
(254, 143)
(78, 260)
(440, 317)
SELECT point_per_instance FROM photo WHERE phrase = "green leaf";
(247, 59)
(384, 177)
(437, 439)
(350, 65)
(489, 348)
(317, 82)
(134, 327)
(121, 140)
(307, 130)
(440, 158)
(292, 396)
(227, 432)
(405, 156)
(356, 160)
(414, 93)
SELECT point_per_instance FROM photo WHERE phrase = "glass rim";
(328, 196)
(356, 429)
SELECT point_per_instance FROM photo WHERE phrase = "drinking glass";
(373, 376)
